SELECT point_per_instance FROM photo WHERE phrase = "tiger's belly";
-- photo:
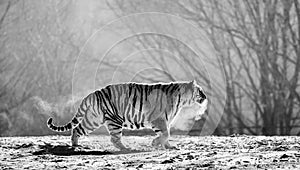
(141, 118)
(137, 118)
(135, 126)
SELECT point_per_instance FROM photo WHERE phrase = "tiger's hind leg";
(161, 129)
(80, 130)
(116, 141)
(74, 137)
(91, 121)
(77, 132)
(115, 132)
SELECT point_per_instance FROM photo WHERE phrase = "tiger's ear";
(193, 82)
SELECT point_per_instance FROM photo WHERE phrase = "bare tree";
(261, 33)
(257, 43)
(5, 64)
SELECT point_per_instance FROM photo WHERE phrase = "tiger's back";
(139, 104)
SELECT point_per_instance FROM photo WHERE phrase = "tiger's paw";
(171, 147)
(156, 143)
(121, 147)
(168, 146)
(76, 146)
(126, 149)
(80, 147)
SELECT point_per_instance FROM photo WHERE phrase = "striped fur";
(134, 106)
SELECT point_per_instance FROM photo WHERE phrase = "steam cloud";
(43, 106)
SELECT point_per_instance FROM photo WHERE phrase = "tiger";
(133, 106)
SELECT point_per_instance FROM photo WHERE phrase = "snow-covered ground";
(239, 152)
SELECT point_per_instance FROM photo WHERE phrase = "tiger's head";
(194, 93)
(197, 93)
(196, 98)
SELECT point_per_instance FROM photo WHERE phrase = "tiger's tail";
(85, 104)
(72, 124)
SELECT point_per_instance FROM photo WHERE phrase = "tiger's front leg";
(158, 142)
(161, 129)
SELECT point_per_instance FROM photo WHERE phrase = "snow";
(96, 152)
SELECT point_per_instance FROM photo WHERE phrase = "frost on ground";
(240, 152)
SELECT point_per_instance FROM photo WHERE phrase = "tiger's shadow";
(66, 150)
